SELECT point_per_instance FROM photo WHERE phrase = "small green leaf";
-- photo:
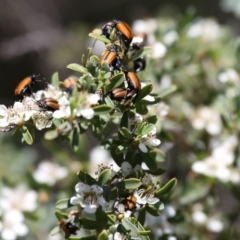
(86, 178)
(156, 172)
(125, 133)
(104, 177)
(115, 82)
(141, 109)
(152, 119)
(92, 237)
(130, 183)
(55, 230)
(147, 129)
(63, 204)
(142, 52)
(50, 135)
(55, 79)
(124, 120)
(103, 235)
(27, 137)
(101, 109)
(166, 188)
(75, 139)
(133, 231)
(149, 160)
(146, 90)
(99, 37)
(78, 68)
(152, 210)
(118, 158)
(90, 224)
(167, 91)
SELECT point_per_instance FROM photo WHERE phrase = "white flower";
(159, 50)
(93, 99)
(229, 75)
(10, 198)
(3, 116)
(64, 108)
(49, 172)
(214, 225)
(208, 119)
(144, 26)
(149, 140)
(86, 113)
(12, 225)
(219, 164)
(42, 119)
(170, 37)
(207, 29)
(89, 197)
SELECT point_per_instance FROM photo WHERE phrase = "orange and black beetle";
(122, 30)
(24, 88)
(49, 104)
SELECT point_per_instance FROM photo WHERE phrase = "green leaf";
(103, 235)
(124, 133)
(90, 224)
(99, 37)
(86, 178)
(142, 216)
(27, 137)
(124, 120)
(149, 160)
(152, 119)
(63, 204)
(141, 52)
(55, 79)
(166, 188)
(75, 139)
(130, 183)
(141, 109)
(156, 172)
(152, 210)
(146, 90)
(104, 177)
(92, 237)
(115, 82)
(101, 109)
(133, 231)
(118, 158)
(55, 230)
(50, 135)
(158, 154)
(78, 68)
(167, 91)
(122, 147)
(147, 129)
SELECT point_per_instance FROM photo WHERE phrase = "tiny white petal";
(87, 113)
(143, 148)
(74, 200)
(90, 208)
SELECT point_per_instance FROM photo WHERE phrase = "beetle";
(111, 57)
(48, 104)
(134, 84)
(68, 227)
(122, 30)
(139, 64)
(129, 203)
(24, 88)
(118, 94)
(69, 84)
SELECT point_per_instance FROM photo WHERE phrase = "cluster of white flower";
(206, 118)
(220, 164)
(22, 112)
(148, 139)
(12, 202)
(30, 109)
(49, 172)
(90, 197)
(200, 218)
